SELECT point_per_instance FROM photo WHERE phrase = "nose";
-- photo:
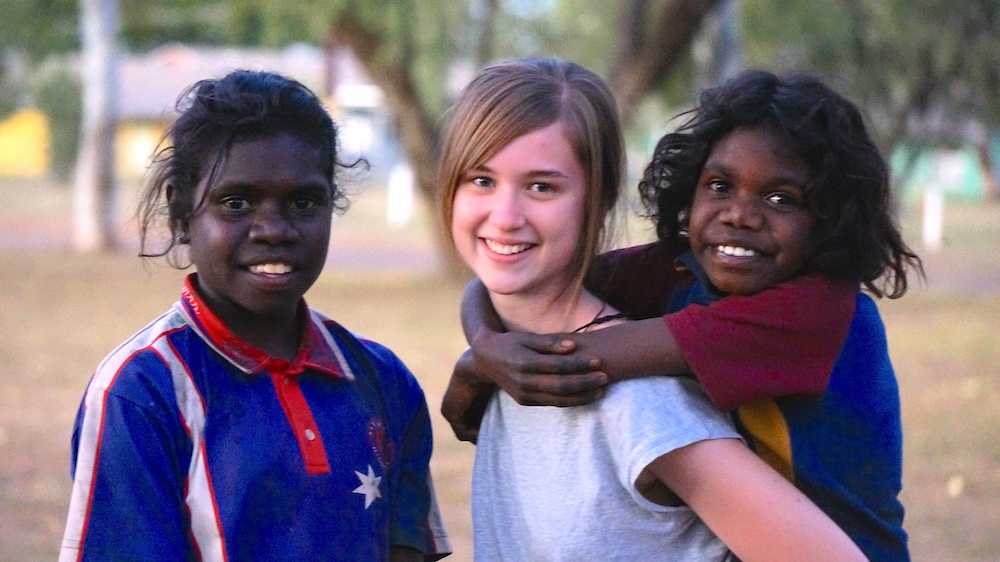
(742, 212)
(272, 225)
(506, 211)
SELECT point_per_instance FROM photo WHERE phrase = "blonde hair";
(509, 99)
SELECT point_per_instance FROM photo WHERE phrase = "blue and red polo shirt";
(191, 444)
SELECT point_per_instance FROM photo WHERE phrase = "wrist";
(468, 372)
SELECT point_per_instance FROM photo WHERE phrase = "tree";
(919, 69)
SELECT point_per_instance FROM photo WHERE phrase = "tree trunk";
(640, 65)
(94, 192)
(417, 131)
(991, 187)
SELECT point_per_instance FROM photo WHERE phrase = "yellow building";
(24, 144)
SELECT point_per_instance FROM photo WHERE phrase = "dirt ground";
(60, 313)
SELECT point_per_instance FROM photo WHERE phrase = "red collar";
(316, 351)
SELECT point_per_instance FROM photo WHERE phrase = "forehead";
(547, 148)
(759, 148)
(270, 159)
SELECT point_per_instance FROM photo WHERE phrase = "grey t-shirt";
(553, 484)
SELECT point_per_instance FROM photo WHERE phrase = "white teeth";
(505, 249)
(271, 268)
(737, 251)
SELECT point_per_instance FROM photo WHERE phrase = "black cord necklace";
(598, 319)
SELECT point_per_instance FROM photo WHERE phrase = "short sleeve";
(127, 499)
(647, 418)
(779, 342)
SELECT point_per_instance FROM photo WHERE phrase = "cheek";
(565, 226)
(798, 241)
(698, 219)
(464, 215)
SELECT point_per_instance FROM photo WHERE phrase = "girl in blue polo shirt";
(241, 424)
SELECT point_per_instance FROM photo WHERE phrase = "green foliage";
(896, 58)
(57, 93)
(39, 27)
(147, 23)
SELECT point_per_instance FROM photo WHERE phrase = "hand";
(538, 370)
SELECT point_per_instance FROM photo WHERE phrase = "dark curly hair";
(214, 114)
(855, 236)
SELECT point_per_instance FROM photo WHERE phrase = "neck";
(546, 313)
(277, 335)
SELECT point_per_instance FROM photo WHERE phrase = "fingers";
(556, 364)
(557, 390)
(465, 433)
(547, 343)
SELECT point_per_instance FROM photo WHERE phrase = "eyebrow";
(724, 170)
(530, 173)
(244, 185)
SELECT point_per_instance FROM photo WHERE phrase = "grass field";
(60, 313)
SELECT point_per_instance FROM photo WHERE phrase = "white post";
(933, 221)
(399, 196)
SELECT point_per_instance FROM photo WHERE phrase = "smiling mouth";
(506, 249)
(736, 251)
(271, 268)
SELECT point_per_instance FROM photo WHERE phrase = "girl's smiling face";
(749, 226)
(518, 218)
(260, 234)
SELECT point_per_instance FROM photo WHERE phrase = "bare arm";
(757, 513)
(639, 348)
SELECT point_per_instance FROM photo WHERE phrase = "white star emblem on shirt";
(369, 486)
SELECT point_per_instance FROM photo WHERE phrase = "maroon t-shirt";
(781, 341)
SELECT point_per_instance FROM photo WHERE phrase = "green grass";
(60, 313)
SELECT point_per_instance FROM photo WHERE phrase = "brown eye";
(235, 203)
(717, 186)
(782, 199)
(305, 203)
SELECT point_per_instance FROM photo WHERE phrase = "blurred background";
(87, 89)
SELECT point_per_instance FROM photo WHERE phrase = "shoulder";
(867, 332)
(653, 256)
(673, 411)
(140, 370)
(145, 355)
(661, 399)
(392, 372)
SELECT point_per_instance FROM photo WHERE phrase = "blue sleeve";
(415, 520)
(129, 465)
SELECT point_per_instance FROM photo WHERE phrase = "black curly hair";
(854, 236)
(214, 114)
